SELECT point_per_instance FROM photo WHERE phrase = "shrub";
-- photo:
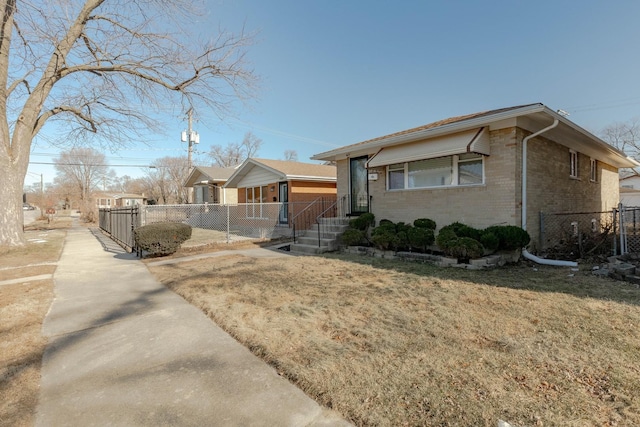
(420, 238)
(385, 238)
(353, 237)
(490, 241)
(466, 231)
(425, 223)
(461, 241)
(511, 237)
(363, 222)
(385, 221)
(385, 226)
(162, 238)
(465, 248)
(446, 238)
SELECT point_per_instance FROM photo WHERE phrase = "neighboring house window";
(573, 164)
(593, 175)
(256, 196)
(463, 169)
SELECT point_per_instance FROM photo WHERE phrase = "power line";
(86, 164)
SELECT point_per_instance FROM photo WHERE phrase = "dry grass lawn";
(388, 343)
(23, 307)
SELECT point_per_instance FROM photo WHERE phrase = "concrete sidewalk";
(124, 350)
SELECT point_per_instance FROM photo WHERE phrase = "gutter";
(526, 253)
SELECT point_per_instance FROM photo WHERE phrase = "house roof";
(284, 171)
(212, 174)
(531, 117)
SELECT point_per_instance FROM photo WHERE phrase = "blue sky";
(338, 72)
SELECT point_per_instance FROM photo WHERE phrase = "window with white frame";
(573, 164)
(458, 170)
(256, 196)
(593, 174)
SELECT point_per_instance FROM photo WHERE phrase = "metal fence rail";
(120, 223)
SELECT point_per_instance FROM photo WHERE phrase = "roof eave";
(364, 147)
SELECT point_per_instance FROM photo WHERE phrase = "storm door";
(358, 183)
(283, 192)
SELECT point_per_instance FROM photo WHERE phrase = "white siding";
(258, 177)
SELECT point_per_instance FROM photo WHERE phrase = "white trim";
(574, 166)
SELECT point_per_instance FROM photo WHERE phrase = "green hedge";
(464, 242)
(162, 238)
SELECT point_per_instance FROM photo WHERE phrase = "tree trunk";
(11, 214)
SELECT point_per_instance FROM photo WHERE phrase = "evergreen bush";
(162, 238)
(425, 223)
(420, 238)
(510, 237)
(363, 222)
(353, 237)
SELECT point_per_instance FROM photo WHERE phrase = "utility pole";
(191, 137)
(189, 131)
(41, 192)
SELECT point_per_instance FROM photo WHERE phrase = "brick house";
(472, 168)
(293, 185)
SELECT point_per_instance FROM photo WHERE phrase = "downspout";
(526, 253)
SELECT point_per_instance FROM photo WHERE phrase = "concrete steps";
(330, 229)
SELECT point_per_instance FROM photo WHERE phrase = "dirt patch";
(23, 307)
(392, 343)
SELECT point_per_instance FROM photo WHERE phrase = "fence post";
(228, 226)
(615, 234)
(623, 230)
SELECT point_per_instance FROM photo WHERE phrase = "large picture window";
(256, 196)
(463, 169)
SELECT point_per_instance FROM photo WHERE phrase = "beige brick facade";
(498, 200)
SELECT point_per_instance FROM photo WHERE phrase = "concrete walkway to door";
(125, 350)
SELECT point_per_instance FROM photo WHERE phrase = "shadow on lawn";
(524, 275)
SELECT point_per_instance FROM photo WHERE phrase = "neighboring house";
(207, 184)
(471, 169)
(630, 189)
(293, 185)
(113, 200)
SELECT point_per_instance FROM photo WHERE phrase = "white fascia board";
(310, 178)
(429, 133)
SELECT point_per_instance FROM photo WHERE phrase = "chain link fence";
(262, 221)
(628, 232)
(584, 234)
(575, 235)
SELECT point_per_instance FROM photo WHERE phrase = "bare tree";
(290, 155)
(164, 183)
(235, 153)
(85, 170)
(625, 136)
(103, 67)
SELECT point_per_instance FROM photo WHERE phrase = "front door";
(283, 192)
(358, 186)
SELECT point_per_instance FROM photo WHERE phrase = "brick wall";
(498, 201)
(551, 189)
